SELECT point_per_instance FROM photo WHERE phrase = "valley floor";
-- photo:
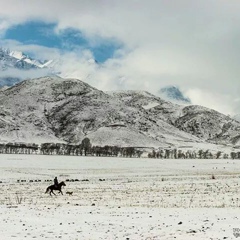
(119, 198)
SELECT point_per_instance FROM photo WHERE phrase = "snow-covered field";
(119, 198)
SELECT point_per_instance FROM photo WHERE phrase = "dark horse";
(53, 187)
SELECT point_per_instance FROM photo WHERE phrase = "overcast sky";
(139, 44)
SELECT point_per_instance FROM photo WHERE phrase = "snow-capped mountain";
(53, 109)
(173, 94)
(19, 60)
(16, 66)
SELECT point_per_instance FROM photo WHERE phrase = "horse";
(53, 187)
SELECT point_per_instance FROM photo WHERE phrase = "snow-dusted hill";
(202, 122)
(209, 124)
(53, 109)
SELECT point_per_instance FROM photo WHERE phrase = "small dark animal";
(69, 193)
(53, 187)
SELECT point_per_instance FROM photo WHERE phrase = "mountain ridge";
(67, 110)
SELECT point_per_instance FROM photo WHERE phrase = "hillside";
(53, 109)
(204, 123)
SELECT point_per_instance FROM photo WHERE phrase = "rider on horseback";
(56, 182)
(56, 186)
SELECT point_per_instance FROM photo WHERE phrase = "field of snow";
(116, 198)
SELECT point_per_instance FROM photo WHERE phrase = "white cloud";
(24, 74)
(37, 51)
(192, 44)
(219, 102)
(4, 25)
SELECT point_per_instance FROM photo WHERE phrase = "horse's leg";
(61, 192)
(51, 192)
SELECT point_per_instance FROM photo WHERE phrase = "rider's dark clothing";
(55, 182)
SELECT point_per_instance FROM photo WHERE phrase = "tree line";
(192, 154)
(85, 148)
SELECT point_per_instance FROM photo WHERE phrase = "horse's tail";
(47, 190)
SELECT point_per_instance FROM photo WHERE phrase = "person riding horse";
(56, 186)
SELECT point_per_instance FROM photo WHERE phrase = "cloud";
(36, 51)
(194, 45)
(24, 74)
(4, 25)
(221, 102)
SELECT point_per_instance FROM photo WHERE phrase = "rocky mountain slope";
(52, 109)
(202, 122)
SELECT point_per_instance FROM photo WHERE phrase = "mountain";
(53, 109)
(18, 60)
(56, 109)
(173, 94)
(201, 122)
(16, 66)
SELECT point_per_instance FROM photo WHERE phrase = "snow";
(17, 54)
(48, 63)
(129, 93)
(33, 62)
(136, 199)
(150, 105)
(122, 136)
(21, 56)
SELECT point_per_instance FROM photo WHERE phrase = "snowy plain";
(119, 198)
